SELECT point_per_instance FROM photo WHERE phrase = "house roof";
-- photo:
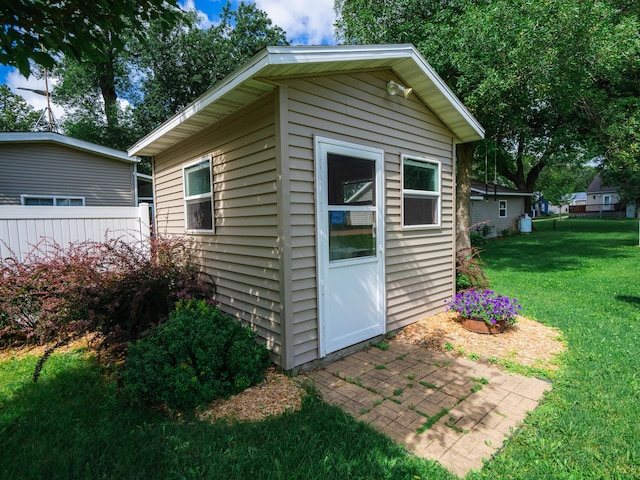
(596, 186)
(258, 76)
(51, 137)
(481, 188)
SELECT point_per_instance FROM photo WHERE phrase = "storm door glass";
(351, 207)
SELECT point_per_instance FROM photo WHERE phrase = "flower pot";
(478, 325)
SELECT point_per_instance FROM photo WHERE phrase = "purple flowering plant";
(487, 304)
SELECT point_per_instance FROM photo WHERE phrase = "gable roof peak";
(249, 83)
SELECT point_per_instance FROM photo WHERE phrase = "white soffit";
(247, 84)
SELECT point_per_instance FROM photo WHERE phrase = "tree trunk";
(464, 153)
(107, 82)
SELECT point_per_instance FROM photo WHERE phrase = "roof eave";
(51, 137)
(405, 60)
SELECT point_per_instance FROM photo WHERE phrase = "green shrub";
(463, 282)
(469, 273)
(197, 355)
(476, 239)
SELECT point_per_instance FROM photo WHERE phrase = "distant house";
(602, 198)
(319, 191)
(579, 198)
(496, 206)
(602, 201)
(45, 168)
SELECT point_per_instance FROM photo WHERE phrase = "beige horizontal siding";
(243, 255)
(49, 169)
(355, 108)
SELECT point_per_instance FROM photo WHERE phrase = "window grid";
(502, 208)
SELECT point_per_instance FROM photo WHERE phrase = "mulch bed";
(528, 343)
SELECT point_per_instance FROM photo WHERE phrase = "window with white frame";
(198, 197)
(420, 192)
(51, 201)
(502, 208)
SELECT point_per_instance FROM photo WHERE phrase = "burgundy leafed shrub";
(469, 273)
(117, 288)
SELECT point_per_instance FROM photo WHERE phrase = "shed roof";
(51, 137)
(482, 188)
(257, 77)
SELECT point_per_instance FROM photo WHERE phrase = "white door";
(350, 243)
(606, 202)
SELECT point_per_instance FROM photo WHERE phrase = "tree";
(158, 75)
(619, 101)
(558, 184)
(16, 115)
(524, 69)
(40, 31)
(180, 65)
(621, 164)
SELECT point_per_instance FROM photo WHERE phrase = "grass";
(72, 424)
(582, 278)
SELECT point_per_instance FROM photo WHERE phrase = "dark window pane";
(38, 201)
(420, 211)
(199, 215)
(350, 180)
(420, 176)
(198, 179)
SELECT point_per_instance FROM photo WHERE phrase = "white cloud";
(203, 19)
(16, 81)
(306, 22)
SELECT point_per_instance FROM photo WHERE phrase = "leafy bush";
(477, 240)
(486, 229)
(469, 273)
(114, 287)
(197, 355)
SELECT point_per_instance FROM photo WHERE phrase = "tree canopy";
(180, 65)
(533, 73)
(40, 31)
(16, 115)
(115, 100)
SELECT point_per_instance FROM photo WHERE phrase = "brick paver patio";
(449, 409)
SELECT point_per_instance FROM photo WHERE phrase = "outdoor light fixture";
(394, 88)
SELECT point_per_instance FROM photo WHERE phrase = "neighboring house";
(579, 198)
(602, 200)
(45, 168)
(321, 203)
(500, 207)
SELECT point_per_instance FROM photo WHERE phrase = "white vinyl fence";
(23, 227)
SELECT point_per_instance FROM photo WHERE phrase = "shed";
(321, 202)
(496, 206)
(46, 168)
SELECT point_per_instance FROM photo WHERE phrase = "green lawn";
(581, 277)
(584, 278)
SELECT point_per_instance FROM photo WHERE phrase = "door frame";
(322, 147)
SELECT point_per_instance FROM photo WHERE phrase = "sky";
(306, 22)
